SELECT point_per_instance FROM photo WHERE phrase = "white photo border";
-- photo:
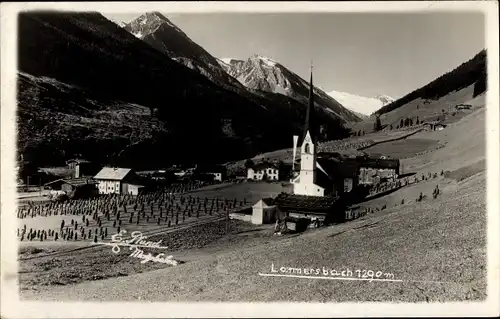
(12, 307)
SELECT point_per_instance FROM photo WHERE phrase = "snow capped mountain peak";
(361, 104)
(226, 60)
(149, 22)
(385, 99)
(265, 60)
(262, 73)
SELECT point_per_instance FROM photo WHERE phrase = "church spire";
(309, 125)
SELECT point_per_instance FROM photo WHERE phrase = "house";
(306, 207)
(463, 106)
(434, 126)
(263, 212)
(337, 177)
(82, 167)
(374, 170)
(263, 171)
(114, 180)
(79, 187)
(217, 172)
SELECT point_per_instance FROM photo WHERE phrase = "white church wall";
(308, 189)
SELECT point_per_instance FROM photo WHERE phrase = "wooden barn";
(307, 207)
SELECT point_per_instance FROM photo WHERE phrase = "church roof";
(338, 169)
(310, 123)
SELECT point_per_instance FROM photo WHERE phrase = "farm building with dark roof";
(302, 206)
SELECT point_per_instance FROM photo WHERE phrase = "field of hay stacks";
(61, 237)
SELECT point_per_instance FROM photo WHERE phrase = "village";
(314, 189)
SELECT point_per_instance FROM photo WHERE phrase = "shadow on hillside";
(466, 171)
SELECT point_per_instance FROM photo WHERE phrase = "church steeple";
(310, 123)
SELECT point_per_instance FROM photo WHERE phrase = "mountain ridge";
(263, 73)
(162, 34)
(187, 114)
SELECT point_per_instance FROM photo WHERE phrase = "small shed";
(264, 212)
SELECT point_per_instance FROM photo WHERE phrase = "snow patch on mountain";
(267, 61)
(118, 23)
(361, 104)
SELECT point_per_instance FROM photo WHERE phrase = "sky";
(366, 54)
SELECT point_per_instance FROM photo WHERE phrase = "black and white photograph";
(255, 155)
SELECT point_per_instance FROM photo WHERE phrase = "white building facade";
(263, 171)
(304, 184)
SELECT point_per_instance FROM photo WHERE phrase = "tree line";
(468, 73)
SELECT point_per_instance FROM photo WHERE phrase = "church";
(305, 183)
(332, 174)
(312, 189)
(326, 182)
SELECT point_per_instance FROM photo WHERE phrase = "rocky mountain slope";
(361, 104)
(158, 31)
(262, 73)
(121, 24)
(126, 102)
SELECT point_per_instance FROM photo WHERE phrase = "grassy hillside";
(436, 100)
(442, 109)
(82, 72)
(472, 72)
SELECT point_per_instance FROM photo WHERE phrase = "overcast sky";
(358, 53)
